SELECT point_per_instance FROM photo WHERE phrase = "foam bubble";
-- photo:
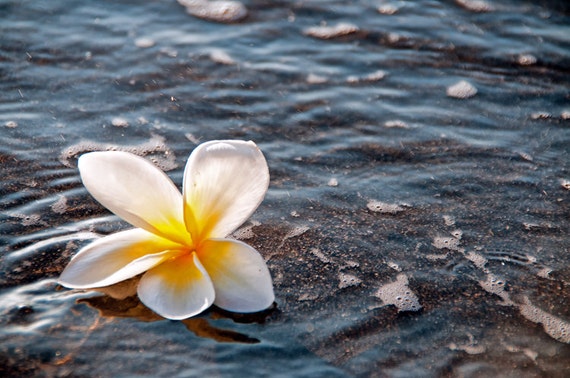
(142, 120)
(442, 242)
(297, 231)
(347, 280)
(462, 90)
(11, 124)
(29, 219)
(396, 124)
(434, 257)
(192, 138)
(308, 297)
(294, 232)
(144, 43)
(526, 156)
(383, 207)
(399, 294)
(394, 266)
(496, 285)
(119, 122)
(244, 232)
(316, 79)
(470, 348)
(374, 76)
(218, 11)
(222, 57)
(478, 260)
(333, 182)
(526, 60)
(328, 32)
(555, 327)
(155, 149)
(60, 206)
(449, 220)
(457, 234)
(387, 9)
(478, 6)
(565, 184)
(540, 115)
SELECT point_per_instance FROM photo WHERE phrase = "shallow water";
(409, 232)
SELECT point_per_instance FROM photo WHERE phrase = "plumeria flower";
(180, 241)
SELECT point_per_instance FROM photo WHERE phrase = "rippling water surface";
(418, 214)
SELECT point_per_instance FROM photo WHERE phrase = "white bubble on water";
(29, 219)
(540, 115)
(396, 124)
(169, 51)
(222, 57)
(387, 9)
(297, 231)
(245, 232)
(565, 184)
(307, 297)
(457, 234)
(526, 59)
(393, 37)
(526, 156)
(435, 257)
(394, 266)
(383, 207)
(11, 124)
(544, 272)
(333, 182)
(478, 260)
(144, 43)
(496, 285)
(444, 242)
(374, 76)
(470, 348)
(557, 328)
(478, 6)
(192, 138)
(449, 220)
(347, 280)
(398, 293)
(60, 206)
(218, 10)
(526, 351)
(142, 120)
(316, 79)
(462, 90)
(352, 79)
(119, 122)
(155, 149)
(328, 32)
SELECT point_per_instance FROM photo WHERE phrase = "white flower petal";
(178, 288)
(115, 258)
(135, 190)
(239, 273)
(224, 182)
